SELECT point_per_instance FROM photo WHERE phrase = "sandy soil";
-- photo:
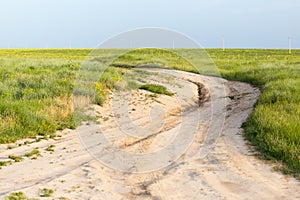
(208, 161)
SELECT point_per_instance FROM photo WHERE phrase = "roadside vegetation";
(16, 196)
(45, 192)
(36, 91)
(274, 126)
(157, 89)
(31, 154)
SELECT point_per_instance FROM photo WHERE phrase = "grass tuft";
(16, 196)
(50, 148)
(34, 152)
(45, 192)
(157, 89)
(16, 158)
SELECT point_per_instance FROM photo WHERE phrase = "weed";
(153, 95)
(11, 147)
(16, 196)
(16, 158)
(4, 163)
(50, 148)
(35, 152)
(105, 119)
(45, 192)
(63, 198)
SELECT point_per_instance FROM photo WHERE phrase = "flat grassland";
(36, 89)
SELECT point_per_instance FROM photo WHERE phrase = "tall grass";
(35, 93)
(274, 126)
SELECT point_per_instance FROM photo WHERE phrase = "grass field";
(35, 91)
(36, 88)
(274, 127)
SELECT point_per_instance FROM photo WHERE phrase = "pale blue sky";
(84, 23)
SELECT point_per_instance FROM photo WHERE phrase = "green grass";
(274, 126)
(45, 192)
(16, 158)
(63, 198)
(35, 152)
(16, 196)
(50, 148)
(157, 89)
(36, 89)
(4, 163)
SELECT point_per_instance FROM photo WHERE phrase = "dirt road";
(208, 161)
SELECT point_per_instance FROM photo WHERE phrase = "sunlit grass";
(157, 89)
(274, 126)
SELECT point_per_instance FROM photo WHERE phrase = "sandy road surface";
(217, 163)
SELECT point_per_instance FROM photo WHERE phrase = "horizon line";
(262, 48)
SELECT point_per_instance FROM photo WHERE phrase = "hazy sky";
(84, 23)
